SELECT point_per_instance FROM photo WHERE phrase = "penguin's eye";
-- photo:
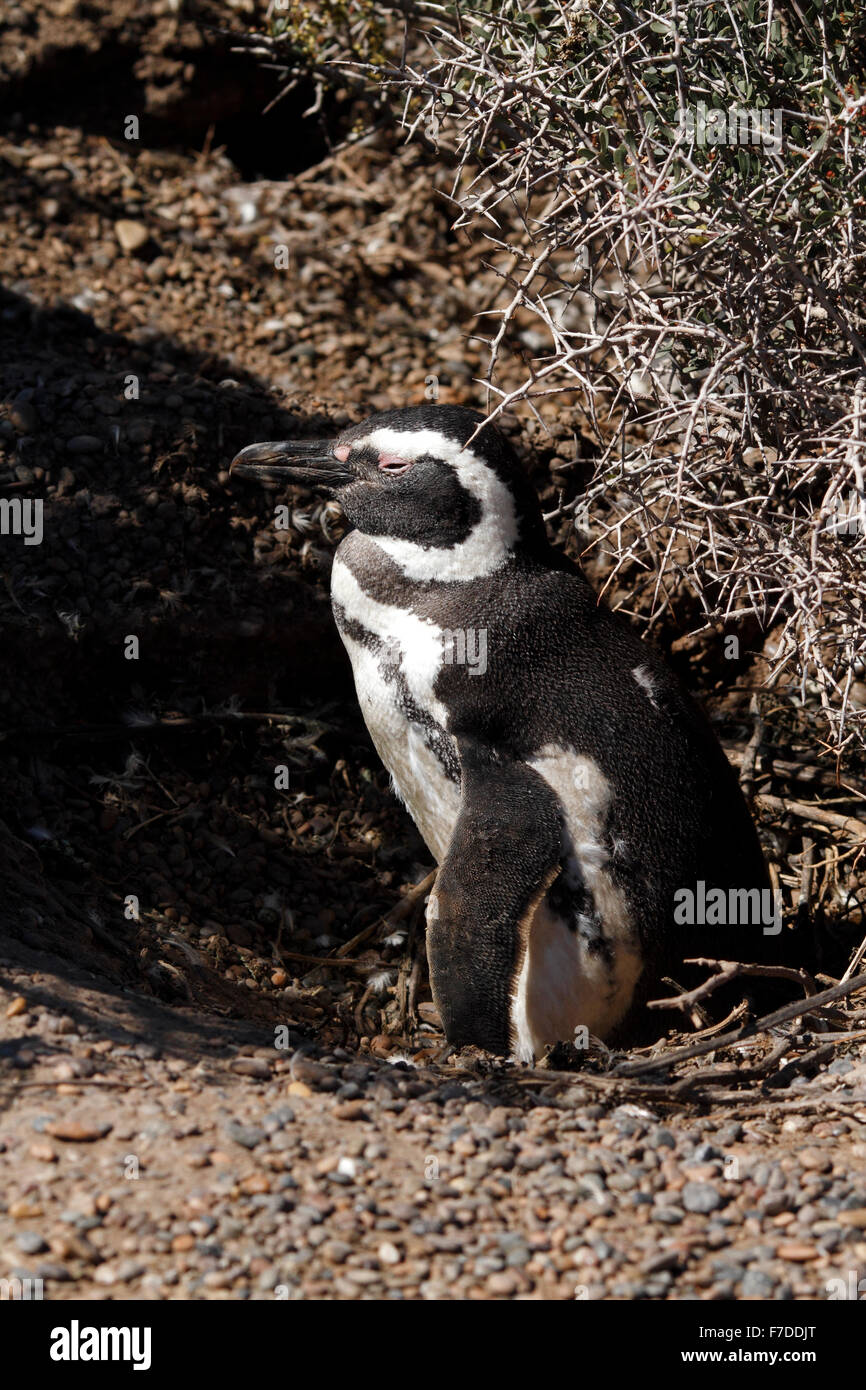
(394, 464)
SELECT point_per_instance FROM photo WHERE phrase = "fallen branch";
(749, 1030)
(807, 810)
(329, 961)
(798, 1065)
(730, 970)
(747, 768)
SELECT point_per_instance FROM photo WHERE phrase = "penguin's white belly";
(430, 797)
(386, 688)
(563, 984)
(562, 988)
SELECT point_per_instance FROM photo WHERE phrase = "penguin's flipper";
(504, 854)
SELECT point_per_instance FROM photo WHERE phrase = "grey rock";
(31, 1243)
(757, 1284)
(248, 1136)
(701, 1197)
(669, 1216)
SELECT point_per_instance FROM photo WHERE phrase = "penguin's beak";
(307, 461)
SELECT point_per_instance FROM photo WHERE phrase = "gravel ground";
(204, 1163)
(154, 1143)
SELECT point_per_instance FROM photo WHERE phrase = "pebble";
(666, 1259)
(669, 1216)
(815, 1160)
(43, 1152)
(44, 161)
(31, 1243)
(661, 1139)
(757, 1284)
(335, 1251)
(248, 1136)
(257, 1067)
(131, 235)
(701, 1197)
(773, 1204)
(311, 1073)
(76, 1132)
(280, 1116)
(505, 1283)
(796, 1251)
(52, 1272)
(351, 1110)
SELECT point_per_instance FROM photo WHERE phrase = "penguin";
(570, 791)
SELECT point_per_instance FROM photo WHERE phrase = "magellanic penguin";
(562, 779)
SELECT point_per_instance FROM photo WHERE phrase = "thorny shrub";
(674, 198)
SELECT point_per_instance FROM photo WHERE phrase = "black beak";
(308, 461)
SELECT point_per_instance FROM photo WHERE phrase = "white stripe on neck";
(490, 541)
(416, 642)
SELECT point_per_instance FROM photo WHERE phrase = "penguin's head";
(443, 501)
